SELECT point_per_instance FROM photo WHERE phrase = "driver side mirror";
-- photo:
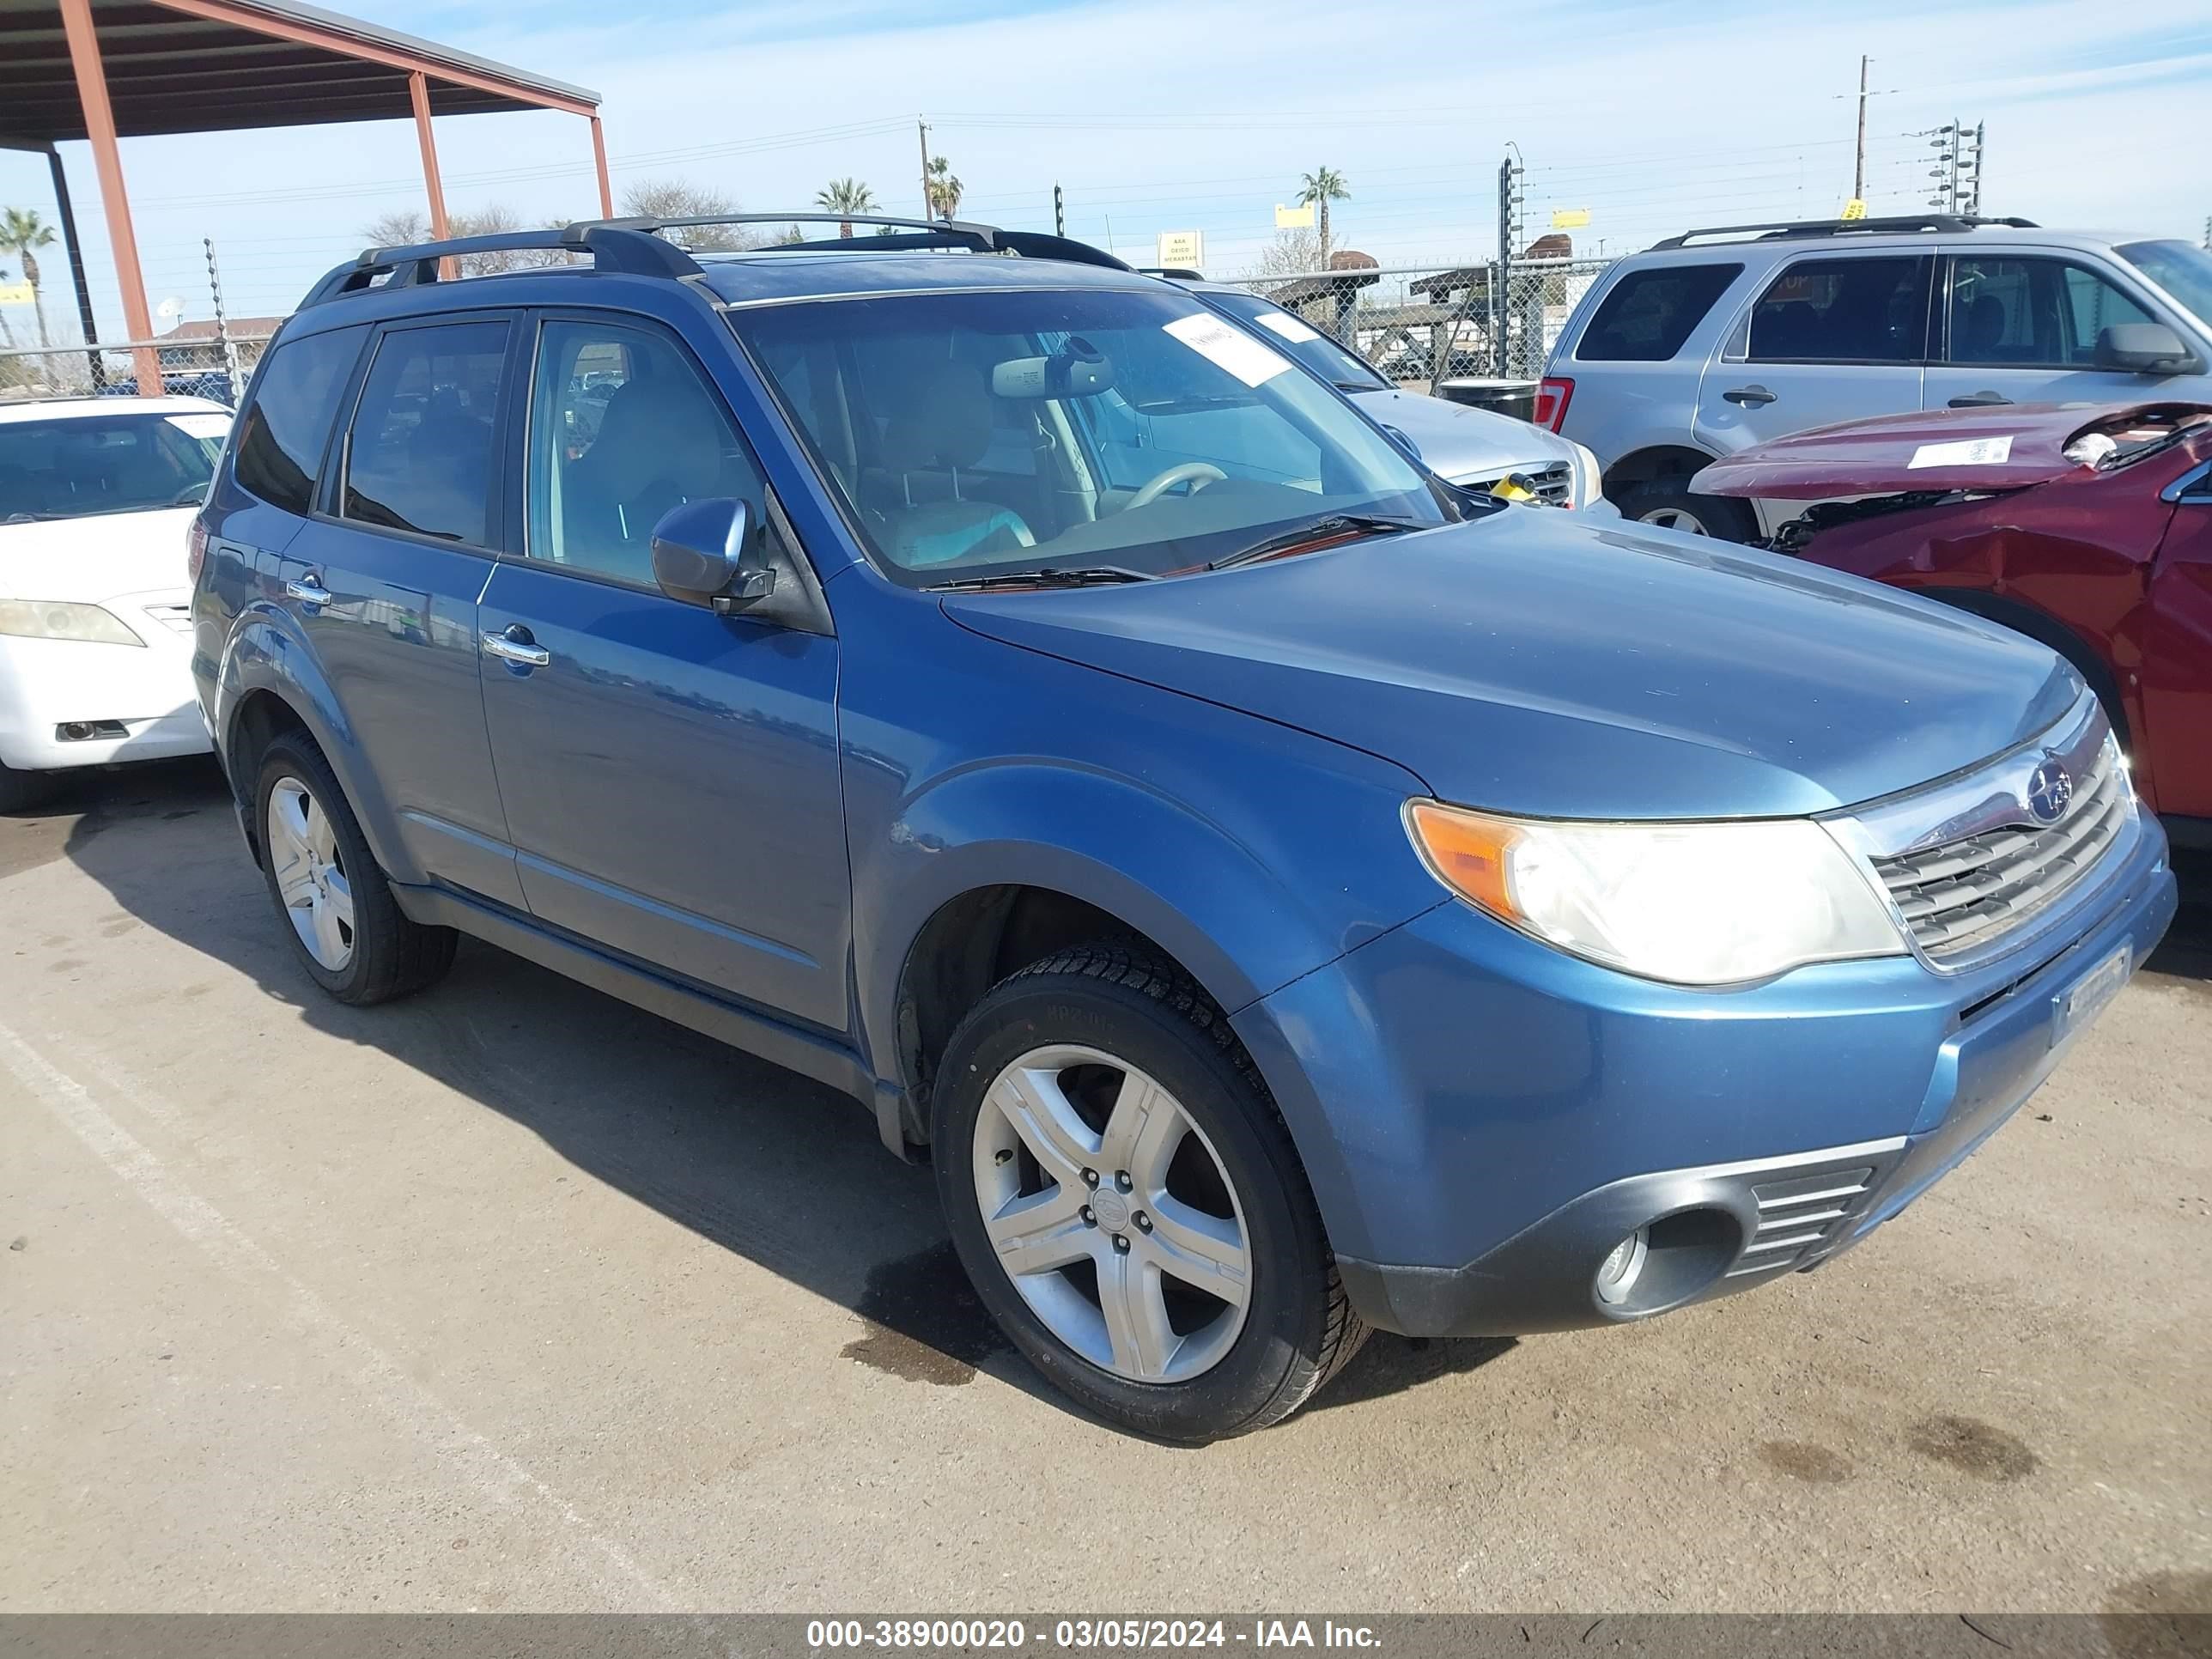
(2144, 349)
(699, 555)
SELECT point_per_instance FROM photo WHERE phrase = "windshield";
(1306, 343)
(2183, 271)
(77, 466)
(985, 433)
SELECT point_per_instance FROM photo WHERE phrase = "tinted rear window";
(420, 458)
(281, 438)
(1649, 314)
(1858, 310)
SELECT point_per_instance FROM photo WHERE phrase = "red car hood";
(2007, 447)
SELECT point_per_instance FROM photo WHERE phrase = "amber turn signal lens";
(1467, 851)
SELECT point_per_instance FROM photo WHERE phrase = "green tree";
(1318, 189)
(944, 189)
(846, 196)
(21, 229)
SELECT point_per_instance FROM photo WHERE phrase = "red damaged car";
(2088, 528)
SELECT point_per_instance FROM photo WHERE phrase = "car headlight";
(1689, 904)
(1589, 477)
(38, 619)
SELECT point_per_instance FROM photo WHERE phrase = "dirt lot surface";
(513, 1297)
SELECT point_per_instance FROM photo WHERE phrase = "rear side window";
(281, 438)
(1844, 311)
(419, 457)
(1649, 314)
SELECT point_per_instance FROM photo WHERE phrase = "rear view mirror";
(1078, 369)
(2144, 349)
(699, 555)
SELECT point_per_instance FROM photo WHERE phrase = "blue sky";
(1175, 115)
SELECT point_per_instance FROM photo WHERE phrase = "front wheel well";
(968, 946)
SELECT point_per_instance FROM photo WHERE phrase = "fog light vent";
(89, 730)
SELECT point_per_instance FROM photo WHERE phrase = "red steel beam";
(418, 89)
(107, 162)
(372, 51)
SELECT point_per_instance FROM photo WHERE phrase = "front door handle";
(308, 589)
(1751, 395)
(517, 647)
(1980, 400)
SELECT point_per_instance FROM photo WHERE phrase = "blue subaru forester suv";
(1279, 893)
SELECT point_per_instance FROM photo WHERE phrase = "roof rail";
(1939, 224)
(926, 234)
(611, 247)
(639, 247)
(1177, 273)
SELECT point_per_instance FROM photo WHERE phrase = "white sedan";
(96, 495)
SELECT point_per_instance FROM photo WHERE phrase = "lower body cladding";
(1505, 1140)
(72, 702)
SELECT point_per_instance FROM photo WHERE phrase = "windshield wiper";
(1050, 576)
(1321, 529)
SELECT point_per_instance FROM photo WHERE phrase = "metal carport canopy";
(104, 69)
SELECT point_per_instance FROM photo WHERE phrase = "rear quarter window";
(1649, 314)
(284, 432)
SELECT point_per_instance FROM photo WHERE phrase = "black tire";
(1667, 502)
(391, 956)
(1299, 1328)
(21, 791)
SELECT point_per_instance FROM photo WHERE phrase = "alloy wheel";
(310, 875)
(1675, 518)
(1112, 1214)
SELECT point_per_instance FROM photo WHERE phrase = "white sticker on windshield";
(1228, 348)
(1288, 326)
(1966, 452)
(201, 425)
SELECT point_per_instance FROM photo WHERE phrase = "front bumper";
(146, 690)
(1485, 1119)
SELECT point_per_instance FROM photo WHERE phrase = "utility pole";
(1858, 162)
(923, 132)
(1509, 209)
(223, 339)
(1059, 213)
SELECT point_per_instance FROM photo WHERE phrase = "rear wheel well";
(1660, 461)
(261, 719)
(968, 946)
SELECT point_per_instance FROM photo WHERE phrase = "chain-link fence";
(215, 369)
(1426, 325)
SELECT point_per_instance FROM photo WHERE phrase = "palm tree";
(21, 229)
(944, 189)
(1321, 187)
(7, 334)
(846, 196)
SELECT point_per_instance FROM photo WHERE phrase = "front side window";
(621, 428)
(120, 463)
(419, 455)
(1332, 362)
(1865, 310)
(2032, 313)
(296, 403)
(1650, 314)
(1157, 436)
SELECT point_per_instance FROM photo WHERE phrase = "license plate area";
(2073, 1008)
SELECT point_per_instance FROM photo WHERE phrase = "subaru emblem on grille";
(2050, 792)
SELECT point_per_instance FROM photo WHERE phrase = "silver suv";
(1716, 340)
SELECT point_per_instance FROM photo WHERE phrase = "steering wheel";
(1196, 474)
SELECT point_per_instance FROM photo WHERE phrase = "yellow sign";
(1182, 250)
(1854, 209)
(1569, 218)
(1294, 218)
(17, 293)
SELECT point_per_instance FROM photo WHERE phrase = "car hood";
(2011, 446)
(99, 557)
(1531, 663)
(1464, 444)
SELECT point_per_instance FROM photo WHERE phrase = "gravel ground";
(510, 1297)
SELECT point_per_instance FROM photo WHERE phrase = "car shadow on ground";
(772, 1166)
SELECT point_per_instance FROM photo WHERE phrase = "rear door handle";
(1753, 395)
(1980, 400)
(517, 647)
(308, 589)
